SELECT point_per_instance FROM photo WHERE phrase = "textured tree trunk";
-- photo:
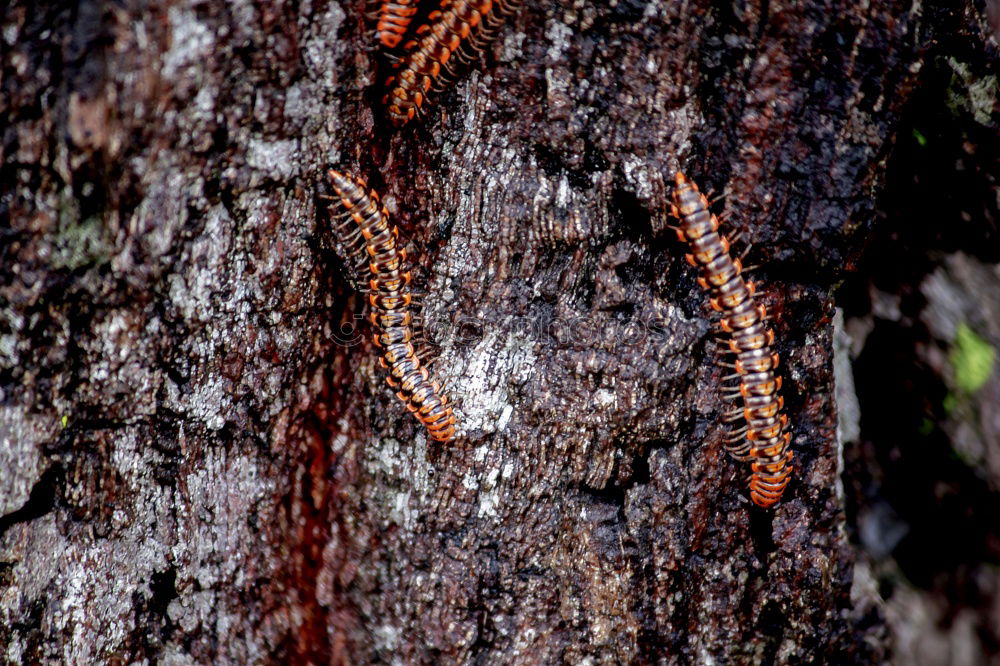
(201, 460)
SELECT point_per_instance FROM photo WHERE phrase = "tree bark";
(203, 462)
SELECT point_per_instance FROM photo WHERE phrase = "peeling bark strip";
(439, 44)
(390, 300)
(762, 438)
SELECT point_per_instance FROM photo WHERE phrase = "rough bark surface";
(202, 462)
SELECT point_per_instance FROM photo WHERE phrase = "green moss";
(79, 241)
(921, 139)
(972, 359)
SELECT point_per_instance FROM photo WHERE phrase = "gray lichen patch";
(492, 370)
(191, 42)
(22, 433)
(973, 93)
(273, 159)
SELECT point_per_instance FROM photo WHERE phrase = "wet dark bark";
(199, 468)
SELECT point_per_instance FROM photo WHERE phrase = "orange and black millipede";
(455, 32)
(390, 301)
(763, 438)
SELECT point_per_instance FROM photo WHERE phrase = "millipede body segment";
(455, 32)
(763, 439)
(394, 18)
(390, 300)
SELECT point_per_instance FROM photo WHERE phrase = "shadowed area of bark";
(202, 460)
